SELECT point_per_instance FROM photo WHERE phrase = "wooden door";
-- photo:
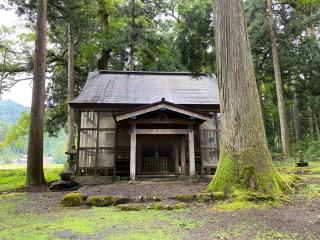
(156, 154)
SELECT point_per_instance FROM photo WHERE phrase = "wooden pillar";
(176, 154)
(133, 147)
(183, 155)
(192, 162)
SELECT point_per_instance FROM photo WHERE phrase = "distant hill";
(10, 111)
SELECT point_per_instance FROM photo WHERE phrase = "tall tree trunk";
(277, 72)
(104, 59)
(2, 70)
(310, 118)
(35, 175)
(316, 124)
(70, 91)
(245, 161)
(296, 112)
(133, 36)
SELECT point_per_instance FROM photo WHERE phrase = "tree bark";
(70, 91)
(310, 118)
(133, 36)
(244, 155)
(35, 175)
(277, 72)
(316, 124)
(296, 112)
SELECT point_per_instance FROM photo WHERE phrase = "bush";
(72, 200)
(310, 149)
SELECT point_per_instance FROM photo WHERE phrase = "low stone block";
(73, 200)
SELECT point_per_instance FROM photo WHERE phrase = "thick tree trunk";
(296, 112)
(35, 175)
(103, 62)
(277, 72)
(70, 91)
(244, 156)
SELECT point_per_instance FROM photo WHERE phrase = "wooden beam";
(161, 106)
(192, 162)
(176, 154)
(162, 131)
(133, 149)
(183, 155)
(164, 121)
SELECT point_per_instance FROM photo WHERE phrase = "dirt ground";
(162, 189)
(38, 215)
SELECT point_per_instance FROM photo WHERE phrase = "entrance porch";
(160, 134)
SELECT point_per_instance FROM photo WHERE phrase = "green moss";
(177, 206)
(157, 206)
(292, 180)
(131, 207)
(224, 176)
(218, 195)
(169, 207)
(151, 234)
(205, 197)
(72, 200)
(35, 222)
(183, 197)
(249, 169)
(100, 201)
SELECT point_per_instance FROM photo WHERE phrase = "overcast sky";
(22, 91)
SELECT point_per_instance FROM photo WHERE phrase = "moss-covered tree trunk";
(245, 161)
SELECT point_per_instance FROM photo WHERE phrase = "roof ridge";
(151, 73)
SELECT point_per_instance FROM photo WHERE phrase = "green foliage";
(310, 149)
(17, 132)
(15, 140)
(195, 36)
(73, 200)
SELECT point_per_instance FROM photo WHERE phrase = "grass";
(13, 176)
(93, 223)
(27, 215)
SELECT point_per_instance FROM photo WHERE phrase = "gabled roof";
(124, 87)
(160, 106)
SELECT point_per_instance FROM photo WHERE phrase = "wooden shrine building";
(147, 124)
